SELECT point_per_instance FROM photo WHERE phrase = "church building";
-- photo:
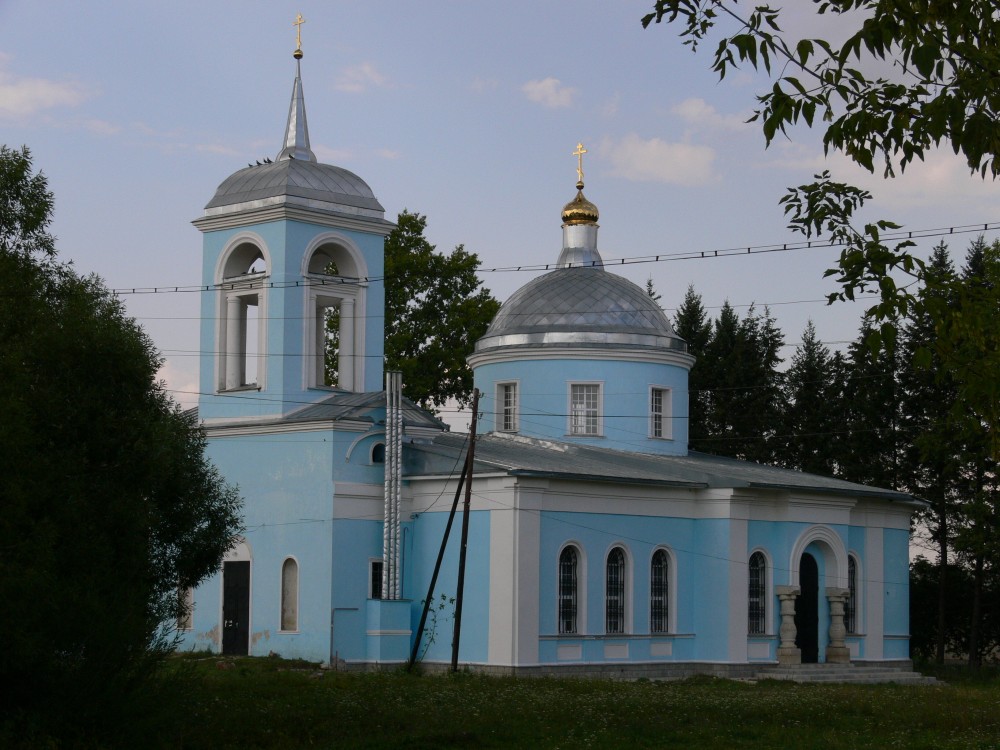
(598, 543)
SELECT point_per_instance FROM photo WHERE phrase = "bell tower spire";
(297, 130)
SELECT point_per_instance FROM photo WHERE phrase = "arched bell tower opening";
(337, 280)
(241, 333)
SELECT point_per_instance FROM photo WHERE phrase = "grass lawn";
(271, 703)
(263, 703)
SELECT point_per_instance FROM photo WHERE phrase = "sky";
(466, 112)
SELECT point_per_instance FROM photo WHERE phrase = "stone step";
(845, 674)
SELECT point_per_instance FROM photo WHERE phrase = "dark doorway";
(807, 610)
(236, 608)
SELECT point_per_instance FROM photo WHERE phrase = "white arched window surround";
(834, 553)
(346, 291)
(289, 612)
(671, 593)
(768, 594)
(626, 587)
(241, 284)
(859, 627)
(581, 588)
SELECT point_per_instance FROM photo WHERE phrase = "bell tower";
(293, 264)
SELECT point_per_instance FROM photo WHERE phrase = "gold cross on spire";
(580, 151)
(297, 23)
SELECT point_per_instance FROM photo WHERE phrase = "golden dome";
(580, 210)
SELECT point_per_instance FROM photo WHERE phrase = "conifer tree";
(810, 420)
(691, 324)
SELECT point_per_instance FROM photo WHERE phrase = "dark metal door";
(807, 610)
(236, 608)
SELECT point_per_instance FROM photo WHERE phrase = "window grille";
(757, 615)
(567, 590)
(614, 611)
(376, 579)
(585, 409)
(851, 606)
(659, 593)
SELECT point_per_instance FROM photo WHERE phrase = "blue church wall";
(427, 533)
(897, 593)
(543, 399)
(354, 544)
(698, 584)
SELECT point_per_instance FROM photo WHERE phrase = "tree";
(435, 310)
(944, 93)
(691, 324)
(110, 506)
(811, 416)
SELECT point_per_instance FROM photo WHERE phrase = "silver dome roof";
(305, 183)
(580, 307)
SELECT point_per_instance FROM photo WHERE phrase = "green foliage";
(944, 92)
(812, 418)
(109, 504)
(286, 707)
(25, 206)
(435, 309)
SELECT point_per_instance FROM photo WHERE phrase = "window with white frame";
(757, 595)
(290, 595)
(568, 566)
(851, 605)
(614, 592)
(506, 407)
(659, 593)
(660, 422)
(335, 302)
(585, 409)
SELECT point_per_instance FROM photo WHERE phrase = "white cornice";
(227, 428)
(266, 214)
(521, 353)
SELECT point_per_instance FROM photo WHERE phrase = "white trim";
(227, 217)
(524, 353)
(242, 238)
(570, 385)
(859, 593)
(768, 594)
(281, 594)
(253, 285)
(344, 242)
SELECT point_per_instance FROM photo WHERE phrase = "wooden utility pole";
(456, 639)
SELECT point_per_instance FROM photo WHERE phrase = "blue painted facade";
(600, 478)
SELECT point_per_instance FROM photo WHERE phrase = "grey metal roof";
(367, 406)
(521, 456)
(580, 306)
(302, 181)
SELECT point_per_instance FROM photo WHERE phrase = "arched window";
(378, 453)
(659, 593)
(568, 565)
(757, 599)
(614, 592)
(851, 606)
(290, 595)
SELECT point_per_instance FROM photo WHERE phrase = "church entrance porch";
(807, 610)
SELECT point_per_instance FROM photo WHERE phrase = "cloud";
(700, 113)
(388, 153)
(610, 108)
(216, 148)
(483, 85)
(549, 93)
(24, 97)
(360, 78)
(332, 155)
(101, 127)
(655, 160)
(181, 382)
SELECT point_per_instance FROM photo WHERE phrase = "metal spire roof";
(297, 131)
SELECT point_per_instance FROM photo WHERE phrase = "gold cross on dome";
(580, 151)
(297, 23)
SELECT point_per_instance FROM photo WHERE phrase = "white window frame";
(858, 594)
(670, 623)
(765, 595)
(503, 411)
(626, 585)
(664, 418)
(581, 589)
(571, 421)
